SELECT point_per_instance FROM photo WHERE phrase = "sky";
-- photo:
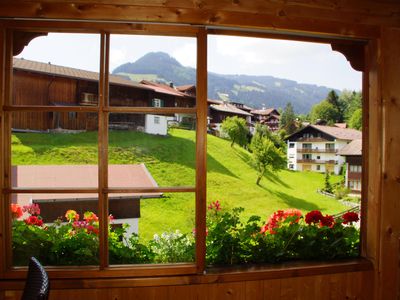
(300, 61)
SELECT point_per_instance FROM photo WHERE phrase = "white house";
(315, 148)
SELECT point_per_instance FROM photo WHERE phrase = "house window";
(330, 146)
(307, 156)
(318, 167)
(291, 166)
(158, 102)
(355, 185)
(355, 168)
(156, 120)
(72, 115)
(307, 146)
(291, 145)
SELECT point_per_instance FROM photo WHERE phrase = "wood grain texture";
(248, 14)
(334, 286)
(201, 149)
(390, 204)
(6, 148)
(2, 125)
(365, 12)
(103, 151)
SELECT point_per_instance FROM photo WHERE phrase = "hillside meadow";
(171, 161)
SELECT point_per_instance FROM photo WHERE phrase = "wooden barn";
(41, 84)
(366, 32)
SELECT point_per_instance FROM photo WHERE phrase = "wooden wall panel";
(29, 89)
(62, 90)
(350, 286)
(390, 204)
(333, 18)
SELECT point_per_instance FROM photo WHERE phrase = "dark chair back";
(37, 282)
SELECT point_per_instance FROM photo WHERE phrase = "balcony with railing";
(316, 161)
(309, 150)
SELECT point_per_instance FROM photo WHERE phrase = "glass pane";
(59, 69)
(274, 151)
(152, 71)
(158, 229)
(147, 150)
(58, 229)
(54, 149)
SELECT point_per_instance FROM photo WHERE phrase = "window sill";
(212, 275)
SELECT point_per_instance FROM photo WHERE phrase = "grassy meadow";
(171, 161)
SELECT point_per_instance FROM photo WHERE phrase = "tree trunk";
(260, 175)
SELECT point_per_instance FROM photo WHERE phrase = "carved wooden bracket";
(22, 39)
(354, 53)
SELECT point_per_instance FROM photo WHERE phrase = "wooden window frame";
(103, 110)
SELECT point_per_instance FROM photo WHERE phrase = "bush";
(172, 247)
(286, 235)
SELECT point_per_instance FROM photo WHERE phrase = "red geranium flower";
(350, 217)
(16, 211)
(215, 205)
(313, 217)
(280, 216)
(91, 229)
(33, 220)
(327, 221)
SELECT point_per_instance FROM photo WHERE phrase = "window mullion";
(103, 150)
(201, 149)
(6, 123)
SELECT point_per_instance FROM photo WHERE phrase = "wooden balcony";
(307, 150)
(316, 161)
(312, 139)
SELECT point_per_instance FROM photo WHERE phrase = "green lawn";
(171, 161)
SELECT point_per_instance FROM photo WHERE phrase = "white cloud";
(117, 57)
(186, 54)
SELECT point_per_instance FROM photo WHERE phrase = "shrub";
(172, 247)
(285, 235)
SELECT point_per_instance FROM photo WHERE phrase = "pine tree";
(288, 119)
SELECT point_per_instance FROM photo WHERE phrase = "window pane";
(153, 229)
(59, 70)
(271, 142)
(54, 149)
(147, 150)
(152, 71)
(58, 229)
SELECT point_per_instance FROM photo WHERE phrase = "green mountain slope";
(255, 91)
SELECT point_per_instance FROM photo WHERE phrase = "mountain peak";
(254, 91)
(158, 58)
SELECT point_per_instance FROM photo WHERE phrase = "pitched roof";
(214, 101)
(339, 133)
(352, 148)
(186, 87)
(264, 112)
(163, 88)
(226, 107)
(50, 69)
(74, 176)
